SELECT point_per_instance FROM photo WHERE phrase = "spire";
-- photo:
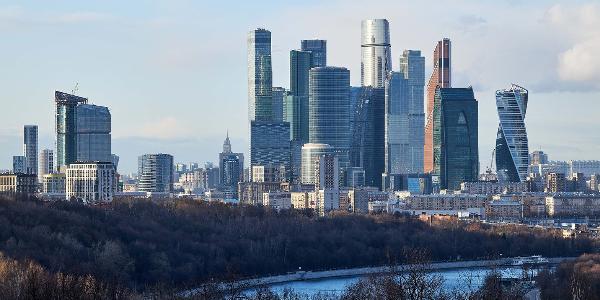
(227, 144)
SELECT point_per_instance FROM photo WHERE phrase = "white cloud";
(581, 62)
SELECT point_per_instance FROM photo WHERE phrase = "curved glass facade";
(512, 147)
(310, 155)
(376, 56)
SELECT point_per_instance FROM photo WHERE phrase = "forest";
(140, 244)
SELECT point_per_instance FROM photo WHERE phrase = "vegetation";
(578, 279)
(141, 244)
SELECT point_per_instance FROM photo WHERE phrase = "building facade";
(512, 146)
(46, 163)
(19, 164)
(440, 78)
(18, 183)
(376, 54)
(93, 133)
(573, 205)
(30, 148)
(455, 137)
(155, 173)
(310, 157)
(54, 183)
(66, 127)
(231, 167)
(318, 50)
(260, 75)
(92, 182)
(270, 144)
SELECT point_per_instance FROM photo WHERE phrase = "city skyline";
(139, 128)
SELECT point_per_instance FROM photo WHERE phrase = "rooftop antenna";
(75, 89)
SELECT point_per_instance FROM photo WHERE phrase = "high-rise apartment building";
(329, 110)
(30, 148)
(455, 140)
(318, 50)
(93, 133)
(368, 134)
(19, 164)
(231, 167)
(66, 127)
(376, 57)
(440, 78)
(512, 147)
(155, 173)
(260, 75)
(92, 182)
(46, 163)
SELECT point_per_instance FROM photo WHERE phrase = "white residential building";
(92, 182)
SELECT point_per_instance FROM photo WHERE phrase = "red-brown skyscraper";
(439, 78)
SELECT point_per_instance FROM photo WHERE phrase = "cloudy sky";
(173, 72)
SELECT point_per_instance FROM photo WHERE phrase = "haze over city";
(174, 73)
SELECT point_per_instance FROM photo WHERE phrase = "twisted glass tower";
(512, 149)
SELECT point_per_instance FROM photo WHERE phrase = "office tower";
(355, 177)
(440, 77)
(328, 110)
(368, 134)
(310, 156)
(91, 182)
(318, 50)
(376, 54)
(211, 176)
(260, 85)
(66, 127)
(46, 163)
(297, 106)
(30, 148)
(404, 116)
(278, 94)
(512, 147)
(270, 144)
(155, 172)
(19, 164)
(93, 128)
(455, 148)
(538, 157)
(231, 167)
(115, 160)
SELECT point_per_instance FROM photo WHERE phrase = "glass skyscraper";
(93, 133)
(404, 115)
(376, 56)
(368, 134)
(155, 172)
(318, 49)
(329, 110)
(260, 81)
(455, 140)
(270, 144)
(231, 167)
(310, 155)
(440, 78)
(300, 64)
(278, 96)
(512, 148)
(30, 148)
(66, 127)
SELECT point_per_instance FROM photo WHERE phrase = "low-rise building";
(92, 182)
(493, 187)
(54, 183)
(327, 200)
(573, 204)
(303, 200)
(252, 192)
(534, 204)
(277, 200)
(18, 183)
(504, 208)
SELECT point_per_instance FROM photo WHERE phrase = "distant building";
(231, 167)
(304, 200)
(268, 173)
(538, 157)
(327, 200)
(440, 78)
(54, 183)
(505, 208)
(93, 133)
(550, 167)
(278, 95)
(18, 183)
(413, 183)
(92, 182)
(445, 204)
(595, 182)
(355, 177)
(260, 76)
(66, 127)
(252, 192)
(277, 200)
(512, 146)
(30, 148)
(573, 204)
(492, 188)
(270, 144)
(155, 173)
(376, 57)
(46, 163)
(19, 164)
(556, 183)
(586, 167)
(455, 137)
(327, 172)
(310, 156)
(318, 52)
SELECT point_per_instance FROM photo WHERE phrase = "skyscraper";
(30, 148)
(66, 127)
(376, 57)
(404, 116)
(19, 164)
(300, 64)
(278, 94)
(270, 144)
(318, 50)
(368, 134)
(260, 75)
(328, 106)
(440, 77)
(310, 157)
(455, 140)
(155, 173)
(46, 163)
(93, 133)
(512, 147)
(231, 167)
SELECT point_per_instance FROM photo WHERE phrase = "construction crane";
(75, 89)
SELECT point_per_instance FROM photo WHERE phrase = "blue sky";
(173, 72)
